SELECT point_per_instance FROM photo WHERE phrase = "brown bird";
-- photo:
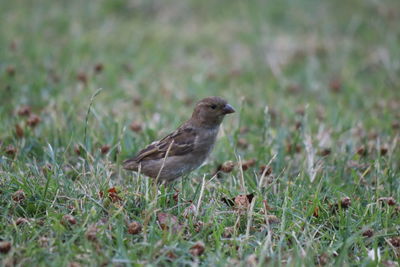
(187, 147)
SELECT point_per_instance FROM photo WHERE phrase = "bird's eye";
(213, 106)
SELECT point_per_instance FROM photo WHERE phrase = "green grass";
(277, 62)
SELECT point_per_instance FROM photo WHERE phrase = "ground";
(86, 84)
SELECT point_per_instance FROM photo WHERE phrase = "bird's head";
(210, 111)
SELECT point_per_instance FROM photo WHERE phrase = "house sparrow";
(186, 148)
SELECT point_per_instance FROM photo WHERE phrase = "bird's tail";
(130, 164)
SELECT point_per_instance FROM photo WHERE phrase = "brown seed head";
(21, 221)
(136, 127)
(248, 163)
(395, 241)
(267, 169)
(24, 111)
(10, 70)
(11, 150)
(104, 149)
(91, 233)
(82, 77)
(335, 85)
(68, 219)
(387, 200)
(242, 143)
(5, 246)
(368, 233)
(134, 228)
(197, 249)
(345, 202)
(98, 67)
(33, 120)
(227, 166)
(18, 196)
(19, 131)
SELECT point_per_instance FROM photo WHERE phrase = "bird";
(185, 149)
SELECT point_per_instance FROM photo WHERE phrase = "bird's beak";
(228, 109)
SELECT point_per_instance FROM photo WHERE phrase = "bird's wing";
(180, 142)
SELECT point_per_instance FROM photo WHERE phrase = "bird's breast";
(205, 141)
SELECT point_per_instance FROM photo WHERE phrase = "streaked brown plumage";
(187, 147)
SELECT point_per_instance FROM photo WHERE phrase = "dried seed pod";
(10, 150)
(242, 143)
(98, 67)
(82, 77)
(33, 120)
(345, 202)
(267, 169)
(77, 149)
(384, 150)
(19, 196)
(324, 152)
(248, 163)
(68, 219)
(10, 70)
(368, 233)
(272, 219)
(21, 220)
(197, 249)
(5, 246)
(134, 228)
(19, 131)
(137, 101)
(228, 232)
(335, 85)
(91, 233)
(24, 111)
(387, 200)
(227, 166)
(362, 151)
(104, 149)
(395, 241)
(136, 127)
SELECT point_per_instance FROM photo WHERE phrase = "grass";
(316, 86)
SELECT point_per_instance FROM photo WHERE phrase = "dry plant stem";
(242, 184)
(250, 217)
(201, 195)
(265, 171)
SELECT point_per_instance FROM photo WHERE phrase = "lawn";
(306, 172)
